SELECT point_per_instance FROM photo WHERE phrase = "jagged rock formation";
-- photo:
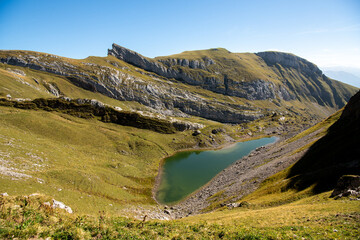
(159, 84)
(199, 72)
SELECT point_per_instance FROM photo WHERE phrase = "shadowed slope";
(334, 155)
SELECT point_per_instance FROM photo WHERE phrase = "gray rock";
(217, 130)
(61, 205)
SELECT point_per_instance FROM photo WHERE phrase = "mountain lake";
(187, 171)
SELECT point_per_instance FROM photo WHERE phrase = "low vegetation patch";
(25, 217)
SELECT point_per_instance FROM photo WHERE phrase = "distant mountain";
(345, 77)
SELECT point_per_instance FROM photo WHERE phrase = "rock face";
(184, 70)
(229, 74)
(314, 85)
(289, 61)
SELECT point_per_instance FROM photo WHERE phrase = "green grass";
(88, 111)
(88, 163)
(316, 217)
(94, 165)
(89, 160)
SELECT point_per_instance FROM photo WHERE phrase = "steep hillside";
(320, 167)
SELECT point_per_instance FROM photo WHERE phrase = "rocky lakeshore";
(238, 180)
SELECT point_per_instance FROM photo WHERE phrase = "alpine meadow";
(202, 144)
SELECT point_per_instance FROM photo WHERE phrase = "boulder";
(61, 205)
(217, 130)
(196, 133)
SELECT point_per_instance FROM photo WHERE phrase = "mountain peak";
(288, 60)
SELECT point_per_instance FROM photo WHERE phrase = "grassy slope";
(86, 157)
(247, 65)
(93, 162)
(87, 163)
(314, 218)
(97, 164)
(25, 87)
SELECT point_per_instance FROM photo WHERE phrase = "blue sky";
(324, 32)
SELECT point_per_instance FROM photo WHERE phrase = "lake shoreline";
(226, 145)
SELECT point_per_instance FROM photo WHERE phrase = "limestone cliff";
(228, 85)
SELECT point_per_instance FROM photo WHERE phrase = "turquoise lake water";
(185, 172)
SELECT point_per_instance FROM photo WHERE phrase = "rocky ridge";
(188, 71)
(229, 74)
(160, 95)
(161, 84)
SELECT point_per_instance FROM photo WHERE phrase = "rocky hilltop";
(230, 87)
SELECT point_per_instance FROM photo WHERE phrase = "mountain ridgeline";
(259, 76)
(229, 87)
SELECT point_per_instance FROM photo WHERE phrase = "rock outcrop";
(347, 185)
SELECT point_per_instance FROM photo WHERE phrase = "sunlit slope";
(315, 218)
(83, 161)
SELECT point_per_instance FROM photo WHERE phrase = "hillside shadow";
(334, 155)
